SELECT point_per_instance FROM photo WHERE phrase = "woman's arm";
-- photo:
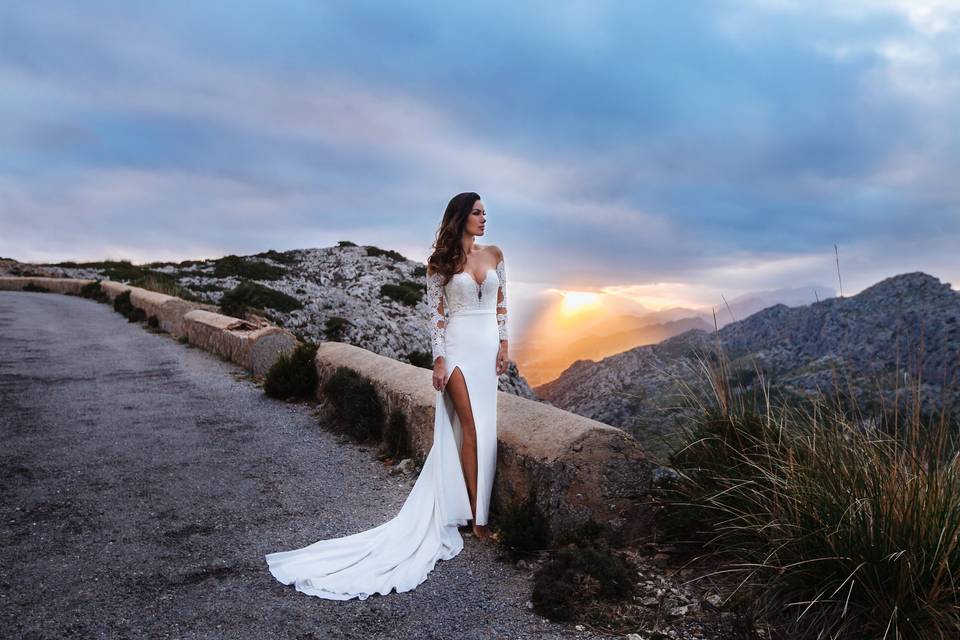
(438, 319)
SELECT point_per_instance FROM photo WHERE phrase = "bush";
(377, 251)
(235, 266)
(283, 257)
(420, 271)
(162, 283)
(153, 322)
(334, 328)
(566, 586)
(407, 292)
(122, 304)
(524, 528)
(294, 374)
(346, 243)
(396, 438)
(35, 288)
(94, 291)
(117, 270)
(843, 529)
(422, 359)
(357, 409)
(251, 295)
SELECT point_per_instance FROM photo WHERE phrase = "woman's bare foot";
(481, 531)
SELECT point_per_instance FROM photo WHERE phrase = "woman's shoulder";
(495, 251)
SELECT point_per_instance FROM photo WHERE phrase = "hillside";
(801, 350)
(338, 290)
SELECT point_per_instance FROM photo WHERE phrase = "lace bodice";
(464, 292)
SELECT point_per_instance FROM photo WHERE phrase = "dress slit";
(458, 428)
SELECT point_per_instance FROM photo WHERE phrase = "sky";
(662, 153)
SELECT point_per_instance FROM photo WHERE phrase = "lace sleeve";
(438, 320)
(502, 300)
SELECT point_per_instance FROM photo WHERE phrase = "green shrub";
(843, 529)
(252, 295)
(420, 271)
(94, 291)
(118, 270)
(334, 328)
(235, 266)
(206, 287)
(294, 374)
(183, 339)
(407, 292)
(346, 243)
(590, 532)
(162, 283)
(283, 257)
(422, 359)
(524, 528)
(566, 586)
(122, 304)
(35, 288)
(377, 251)
(153, 322)
(396, 437)
(357, 409)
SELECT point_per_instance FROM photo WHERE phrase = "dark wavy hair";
(448, 254)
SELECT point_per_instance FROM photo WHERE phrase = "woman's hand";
(503, 360)
(439, 373)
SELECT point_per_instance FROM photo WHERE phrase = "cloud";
(613, 143)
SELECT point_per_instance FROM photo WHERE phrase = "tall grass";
(839, 528)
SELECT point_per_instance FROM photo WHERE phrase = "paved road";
(144, 480)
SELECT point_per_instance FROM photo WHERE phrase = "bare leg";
(457, 388)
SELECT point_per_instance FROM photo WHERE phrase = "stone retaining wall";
(578, 469)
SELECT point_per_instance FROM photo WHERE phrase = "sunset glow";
(578, 301)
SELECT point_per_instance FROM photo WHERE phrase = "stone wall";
(578, 469)
(253, 346)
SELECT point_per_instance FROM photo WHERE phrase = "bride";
(468, 326)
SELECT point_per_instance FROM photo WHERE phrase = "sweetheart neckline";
(470, 275)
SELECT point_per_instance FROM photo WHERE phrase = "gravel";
(144, 480)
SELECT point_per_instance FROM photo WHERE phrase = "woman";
(468, 327)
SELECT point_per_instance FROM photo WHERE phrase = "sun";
(577, 301)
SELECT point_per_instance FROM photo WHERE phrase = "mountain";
(541, 364)
(338, 289)
(750, 303)
(802, 351)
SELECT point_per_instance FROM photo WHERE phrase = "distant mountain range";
(801, 351)
(601, 335)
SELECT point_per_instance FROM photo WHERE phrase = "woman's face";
(477, 219)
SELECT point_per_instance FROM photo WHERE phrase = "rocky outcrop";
(579, 470)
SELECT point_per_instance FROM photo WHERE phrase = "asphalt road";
(144, 480)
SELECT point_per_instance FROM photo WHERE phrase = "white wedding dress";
(468, 320)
